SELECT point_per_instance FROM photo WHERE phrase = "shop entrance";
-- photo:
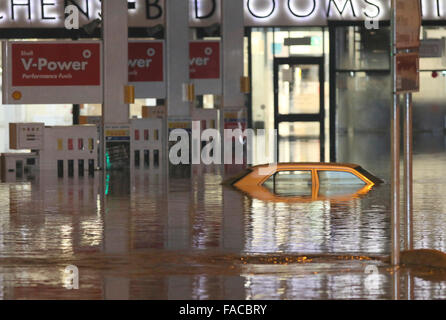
(299, 108)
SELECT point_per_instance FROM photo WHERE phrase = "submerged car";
(291, 182)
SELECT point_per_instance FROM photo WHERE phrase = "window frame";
(353, 172)
(313, 186)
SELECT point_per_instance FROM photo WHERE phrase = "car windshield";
(233, 179)
(368, 175)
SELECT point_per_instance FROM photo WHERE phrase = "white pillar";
(232, 39)
(177, 48)
(115, 68)
(232, 33)
(115, 61)
(114, 110)
(232, 29)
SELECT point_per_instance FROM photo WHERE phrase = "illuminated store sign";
(50, 13)
(319, 12)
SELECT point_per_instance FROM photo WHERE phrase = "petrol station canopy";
(145, 13)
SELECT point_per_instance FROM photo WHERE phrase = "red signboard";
(408, 23)
(407, 72)
(56, 64)
(204, 60)
(145, 61)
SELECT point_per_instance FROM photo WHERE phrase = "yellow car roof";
(310, 164)
(251, 180)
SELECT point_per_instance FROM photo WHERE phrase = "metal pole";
(396, 279)
(410, 285)
(395, 152)
(76, 112)
(408, 172)
(395, 192)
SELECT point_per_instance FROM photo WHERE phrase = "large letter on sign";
(158, 10)
(343, 9)
(301, 15)
(257, 15)
(210, 14)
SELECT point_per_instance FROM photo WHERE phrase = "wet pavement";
(144, 235)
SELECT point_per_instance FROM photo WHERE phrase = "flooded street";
(147, 236)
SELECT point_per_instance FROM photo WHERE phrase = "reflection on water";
(146, 236)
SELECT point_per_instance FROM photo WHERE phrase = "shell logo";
(17, 95)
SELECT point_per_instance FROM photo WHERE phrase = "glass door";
(299, 108)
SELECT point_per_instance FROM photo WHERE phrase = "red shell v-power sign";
(56, 64)
(146, 61)
(204, 60)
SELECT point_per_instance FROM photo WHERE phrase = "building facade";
(318, 70)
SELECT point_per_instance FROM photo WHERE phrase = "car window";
(329, 178)
(337, 183)
(339, 190)
(290, 183)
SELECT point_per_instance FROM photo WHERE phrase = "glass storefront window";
(363, 101)
(437, 35)
(363, 83)
(305, 148)
(262, 47)
(363, 87)
(358, 48)
(298, 87)
(429, 109)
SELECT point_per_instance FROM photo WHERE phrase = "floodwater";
(145, 236)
